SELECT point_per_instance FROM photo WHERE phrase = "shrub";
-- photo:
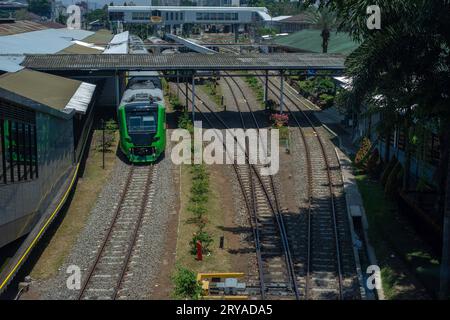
(175, 102)
(185, 122)
(326, 100)
(306, 87)
(363, 151)
(204, 238)
(185, 283)
(110, 127)
(279, 120)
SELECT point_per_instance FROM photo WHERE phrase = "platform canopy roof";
(185, 61)
(33, 89)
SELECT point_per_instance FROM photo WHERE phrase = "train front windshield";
(142, 122)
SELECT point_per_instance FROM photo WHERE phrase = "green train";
(142, 118)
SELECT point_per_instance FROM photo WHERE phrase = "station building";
(177, 16)
(39, 144)
(44, 122)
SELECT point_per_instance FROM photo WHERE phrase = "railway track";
(329, 271)
(106, 278)
(276, 277)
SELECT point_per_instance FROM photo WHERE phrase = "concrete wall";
(22, 203)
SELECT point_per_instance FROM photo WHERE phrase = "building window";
(171, 16)
(140, 15)
(116, 16)
(167, 16)
(176, 16)
(181, 15)
(18, 146)
(216, 16)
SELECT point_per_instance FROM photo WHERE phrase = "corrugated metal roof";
(118, 44)
(11, 63)
(49, 41)
(81, 98)
(36, 86)
(191, 44)
(20, 26)
(280, 18)
(42, 41)
(188, 61)
(117, 49)
(120, 38)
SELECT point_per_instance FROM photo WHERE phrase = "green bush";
(326, 100)
(175, 102)
(387, 170)
(306, 87)
(185, 122)
(185, 283)
(255, 84)
(363, 151)
(204, 238)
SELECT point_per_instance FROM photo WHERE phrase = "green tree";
(98, 14)
(406, 63)
(40, 7)
(325, 19)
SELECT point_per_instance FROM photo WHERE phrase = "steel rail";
(107, 238)
(218, 118)
(250, 206)
(277, 213)
(330, 187)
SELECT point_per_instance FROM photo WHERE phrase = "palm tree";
(409, 62)
(324, 19)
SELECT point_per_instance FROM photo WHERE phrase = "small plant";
(205, 240)
(326, 100)
(185, 122)
(279, 119)
(254, 83)
(110, 128)
(175, 102)
(185, 283)
(363, 152)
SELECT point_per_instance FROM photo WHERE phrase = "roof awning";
(81, 98)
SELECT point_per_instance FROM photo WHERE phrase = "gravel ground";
(145, 260)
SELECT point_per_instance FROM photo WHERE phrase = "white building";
(176, 15)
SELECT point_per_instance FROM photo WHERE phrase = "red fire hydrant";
(199, 251)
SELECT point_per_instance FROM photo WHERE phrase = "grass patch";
(392, 234)
(214, 91)
(219, 260)
(257, 88)
(87, 190)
